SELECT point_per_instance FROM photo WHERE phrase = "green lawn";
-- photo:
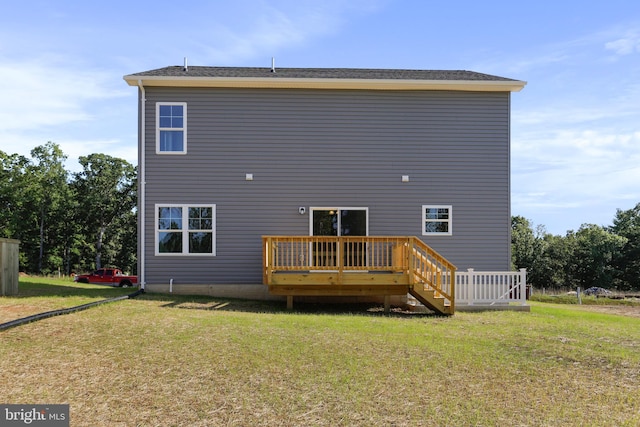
(180, 361)
(37, 295)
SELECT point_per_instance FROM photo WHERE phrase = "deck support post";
(387, 303)
(289, 302)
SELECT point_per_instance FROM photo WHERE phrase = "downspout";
(509, 250)
(141, 187)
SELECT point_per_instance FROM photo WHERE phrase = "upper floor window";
(171, 127)
(436, 219)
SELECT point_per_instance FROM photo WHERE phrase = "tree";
(66, 225)
(529, 250)
(46, 197)
(523, 243)
(12, 191)
(106, 196)
(551, 268)
(595, 248)
(627, 225)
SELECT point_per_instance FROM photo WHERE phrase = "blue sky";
(575, 126)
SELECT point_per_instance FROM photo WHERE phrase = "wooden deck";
(358, 266)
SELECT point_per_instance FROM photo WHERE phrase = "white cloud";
(565, 55)
(113, 147)
(22, 143)
(577, 169)
(268, 28)
(46, 93)
(567, 114)
(628, 44)
(49, 99)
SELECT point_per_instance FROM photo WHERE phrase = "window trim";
(185, 229)
(449, 221)
(183, 128)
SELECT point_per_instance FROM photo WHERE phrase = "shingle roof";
(320, 73)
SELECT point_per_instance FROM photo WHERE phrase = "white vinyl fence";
(491, 287)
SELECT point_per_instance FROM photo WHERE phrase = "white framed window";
(185, 230)
(437, 220)
(171, 127)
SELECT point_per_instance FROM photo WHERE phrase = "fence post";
(471, 284)
(523, 286)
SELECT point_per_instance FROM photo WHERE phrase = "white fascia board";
(353, 84)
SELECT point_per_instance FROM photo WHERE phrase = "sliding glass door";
(339, 222)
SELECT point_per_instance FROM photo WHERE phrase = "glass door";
(339, 222)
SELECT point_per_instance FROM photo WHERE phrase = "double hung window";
(436, 220)
(185, 230)
(171, 127)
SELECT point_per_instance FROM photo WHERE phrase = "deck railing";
(403, 254)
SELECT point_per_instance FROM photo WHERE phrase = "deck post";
(387, 303)
(289, 302)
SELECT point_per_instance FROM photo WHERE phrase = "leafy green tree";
(551, 268)
(71, 233)
(524, 247)
(12, 192)
(127, 241)
(592, 256)
(66, 225)
(46, 197)
(106, 195)
(529, 250)
(627, 225)
(595, 248)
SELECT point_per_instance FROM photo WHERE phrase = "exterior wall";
(326, 148)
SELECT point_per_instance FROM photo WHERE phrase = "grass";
(39, 294)
(565, 298)
(189, 361)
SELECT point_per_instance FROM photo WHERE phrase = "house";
(229, 156)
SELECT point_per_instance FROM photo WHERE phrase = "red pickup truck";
(107, 276)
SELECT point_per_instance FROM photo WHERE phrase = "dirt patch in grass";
(12, 312)
(622, 310)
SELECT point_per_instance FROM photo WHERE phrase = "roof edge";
(319, 83)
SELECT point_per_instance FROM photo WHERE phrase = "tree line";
(602, 256)
(69, 222)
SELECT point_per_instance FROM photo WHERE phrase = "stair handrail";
(437, 268)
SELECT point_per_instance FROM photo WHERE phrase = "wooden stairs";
(431, 299)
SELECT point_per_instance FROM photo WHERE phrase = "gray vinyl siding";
(326, 148)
